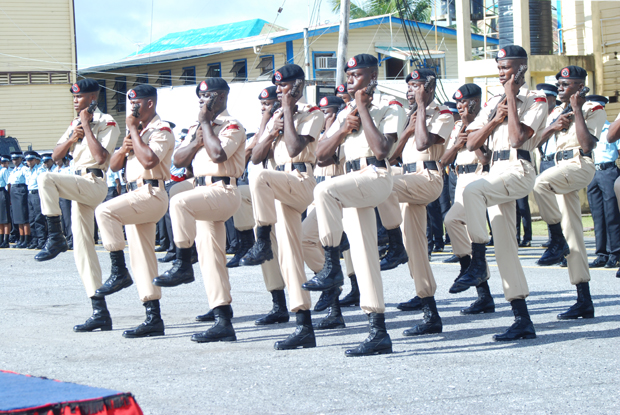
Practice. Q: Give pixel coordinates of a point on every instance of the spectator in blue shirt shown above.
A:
(38, 225)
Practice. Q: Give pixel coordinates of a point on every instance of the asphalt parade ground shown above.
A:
(570, 368)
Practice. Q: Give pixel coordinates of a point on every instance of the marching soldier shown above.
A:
(421, 146)
(216, 152)
(280, 196)
(510, 124)
(576, 129)
(5, 202)
(91, 138)
(37, 220)
(469, 166)
(346, 203)
(146, 154)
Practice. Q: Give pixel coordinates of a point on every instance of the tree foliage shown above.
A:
(420, 9)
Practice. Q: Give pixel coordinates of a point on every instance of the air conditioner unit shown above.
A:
(326, 63)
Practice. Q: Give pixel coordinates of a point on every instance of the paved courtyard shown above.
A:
(572, 367)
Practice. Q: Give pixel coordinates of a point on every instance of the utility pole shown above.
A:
(343, 40)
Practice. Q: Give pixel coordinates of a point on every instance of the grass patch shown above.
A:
(539, 227)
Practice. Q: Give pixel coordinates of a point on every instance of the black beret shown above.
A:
(84, 86)
(212, 84)
(268, 93)
(363, 60)
(420, 75)
(467, 91)
(451, 106)
(289, 72)
(342, 89)
(511, 52)
(548, 89)
(331, 101)
(142, 91)
(572, 72)
(16, 154)
(4, 158)
(46, 156)
(29, 155)
(597, 98)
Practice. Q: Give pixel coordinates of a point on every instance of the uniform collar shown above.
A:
(523, 92)
(221, 118)
(156, 120)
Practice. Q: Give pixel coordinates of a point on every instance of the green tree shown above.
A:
(420, 9)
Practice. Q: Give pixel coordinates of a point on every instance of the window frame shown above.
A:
(186, 79)
(165, 81)
(273, 64)
(119, 95)
(212, 65)
(102, 102)
(245, 61)
(314, 56)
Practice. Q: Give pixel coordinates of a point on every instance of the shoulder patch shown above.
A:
(540, 99)
(395, 103)
(445, 112)
(598, 107)
(112, 123)
(165, 129)
(313, 109)
(232, 127)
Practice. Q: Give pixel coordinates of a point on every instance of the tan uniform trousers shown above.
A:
(506, 182)
(557, 195)
(139, 211)
(199, 215)
(244, 220)
(280, 198)
(86, 192)
(413, 192)
(314, 256)
(183, 186)
(347, 203)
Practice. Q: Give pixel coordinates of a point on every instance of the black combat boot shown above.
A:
(99, 320)
(334, 318)
(465, 262)
(583, 308)
(432, 322)
(5, 241)
(56, 241)
(152, 326)
(558, 248)
(331, 274)
(396, 253)
(476, 273)
(181, 272)
(246, 241)
(344, 243)
(326, 299)
(19, 242)
(222, 330)
(451, 260)
(303, 336)
(377, 342)
(279, 312)
(34, 242)
(210, 316)
(484, 303)
(261, 250)
(522, 328)
(119, 275)
(26, 242)
(415, 304)
(353, 298)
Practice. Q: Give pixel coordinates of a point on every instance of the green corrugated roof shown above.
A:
(205, 36)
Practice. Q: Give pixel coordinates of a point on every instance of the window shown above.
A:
(240, 70)
(25, 78)
(189, 76)
(120, 86)
(102, 102)
(165, 78)
(265, 65)
(214, 70)
(142, 79)
(434, 63)
(325, 66)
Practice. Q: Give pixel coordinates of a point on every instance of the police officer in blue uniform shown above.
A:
(19, 199)
(37, 220)
(5, 202)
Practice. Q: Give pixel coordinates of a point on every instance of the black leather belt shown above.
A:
(470, 168)
(301, 167)
(134, 185)
(202, 180)
(354, 165)
(605, 166)
(568, 154)
(96, 172)
(18, 185)
(505, 155)
(550, 157)
(411, 167)
(33, 192)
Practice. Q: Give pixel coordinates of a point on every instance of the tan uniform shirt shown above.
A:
(308, 120)
(232, 136)
(532, 111)
(389, 117)
(439, 120)
(158, 135)
(464, 156)
(595, 117)
(105, 130)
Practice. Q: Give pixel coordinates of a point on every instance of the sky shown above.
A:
(109, 30)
